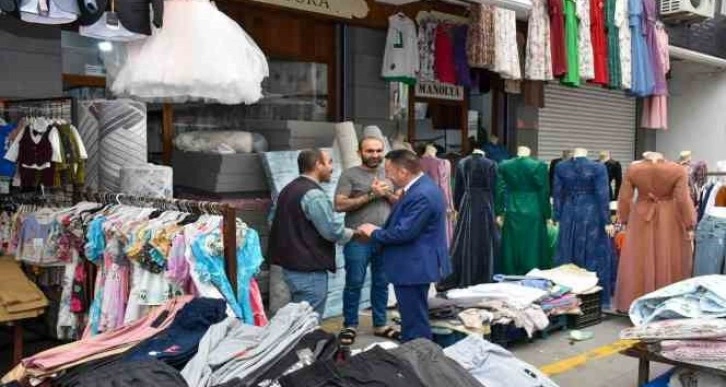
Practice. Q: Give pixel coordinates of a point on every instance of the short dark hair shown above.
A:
(307, 159)
(405, 159)
(366, 138)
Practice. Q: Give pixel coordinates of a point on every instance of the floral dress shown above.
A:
(480, 42)
(426, 48)
(506, 54)
(539, 53)
(587, 61)
(622, 21)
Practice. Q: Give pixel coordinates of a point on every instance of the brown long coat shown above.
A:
(657, 249)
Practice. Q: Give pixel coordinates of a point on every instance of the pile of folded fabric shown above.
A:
(559, 300)
(683, 322)
(506, 303)
(19, 297)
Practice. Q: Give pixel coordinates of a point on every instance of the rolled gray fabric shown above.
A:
(122, 139)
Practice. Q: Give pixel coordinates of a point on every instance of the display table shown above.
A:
(20, 299)
(645, 355)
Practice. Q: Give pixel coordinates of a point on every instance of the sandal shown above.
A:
(347, 336)
(388, 333)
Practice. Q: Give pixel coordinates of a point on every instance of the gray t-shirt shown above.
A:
(356, 182)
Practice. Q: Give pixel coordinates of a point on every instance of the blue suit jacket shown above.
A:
(413, 240)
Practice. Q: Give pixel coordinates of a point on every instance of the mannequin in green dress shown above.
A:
(523, 208)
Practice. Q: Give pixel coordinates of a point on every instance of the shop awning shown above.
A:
(697, 57)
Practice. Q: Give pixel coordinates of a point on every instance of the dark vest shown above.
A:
(295, 243)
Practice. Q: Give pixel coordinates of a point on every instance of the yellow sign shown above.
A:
(347, 9)
(440, 91)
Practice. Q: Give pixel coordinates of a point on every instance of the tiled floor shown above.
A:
(613, 370)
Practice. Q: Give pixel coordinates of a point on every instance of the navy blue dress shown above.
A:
(581, 197)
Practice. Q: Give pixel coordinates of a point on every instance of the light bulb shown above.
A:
(105, 46)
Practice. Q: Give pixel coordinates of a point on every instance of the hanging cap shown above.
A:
(91, 11)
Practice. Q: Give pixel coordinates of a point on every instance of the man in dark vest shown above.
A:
(304, 231)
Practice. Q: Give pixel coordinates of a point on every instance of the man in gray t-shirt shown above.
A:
(365, 196)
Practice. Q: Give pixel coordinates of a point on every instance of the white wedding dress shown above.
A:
(199, 55)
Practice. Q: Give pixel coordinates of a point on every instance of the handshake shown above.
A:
(364, 231)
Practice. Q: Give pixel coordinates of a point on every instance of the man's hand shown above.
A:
(380, 188)
(367, 229)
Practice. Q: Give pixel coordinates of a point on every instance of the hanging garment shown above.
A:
(643, 78)
(134, 16)
(622, 21)
(599, 41)
(572, 31)
(121, 139)
(7, 168)
(463, 77)
(655, 108)
(200, 54)
(514, 86)
(444, 56)
(613, 45)
(401, 57)
(523, 199)
(426, 49)
(585, 52)
(653, 42)
(480, 42)
(657, 251)
(476, 240)
(48, 11)
(506, 54)
(615, 177)
(539, 53)
(88, 129)
(582, 207)
(34, 153)
(557, 33)
(439, 170)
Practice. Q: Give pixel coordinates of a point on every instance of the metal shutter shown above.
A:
(588, 117)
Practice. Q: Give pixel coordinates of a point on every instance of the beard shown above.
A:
(372, 162)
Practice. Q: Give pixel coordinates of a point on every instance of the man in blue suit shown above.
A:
(413, 241)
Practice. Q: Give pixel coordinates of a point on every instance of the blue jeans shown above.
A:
(309, 286)
(710, 246)
(357, 257)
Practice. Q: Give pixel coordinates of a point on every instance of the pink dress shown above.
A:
(655, 108)
(440, 171)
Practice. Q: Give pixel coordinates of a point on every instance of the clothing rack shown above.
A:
(54, 107)
(715, 173)
(228, 213)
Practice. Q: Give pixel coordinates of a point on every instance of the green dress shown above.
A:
(572, 41)
(614, 78)
(523, 199)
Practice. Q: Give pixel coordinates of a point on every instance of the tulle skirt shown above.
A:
(199, 55)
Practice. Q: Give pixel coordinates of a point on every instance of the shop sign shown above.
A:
(347, 9)
(438, 90)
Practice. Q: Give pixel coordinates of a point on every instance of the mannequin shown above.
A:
(615, 173)
(579, 152)
(523, 202)
(430, 150)
(581, 199)
(475, 249)
(653, 156)
(440, 171)
(566, 155)
(658, 249)
(523, 151)
(684, 158)
(495, 150)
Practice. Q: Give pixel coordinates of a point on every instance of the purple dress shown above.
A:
(439, 170)
(650, 15)
(461, 61)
